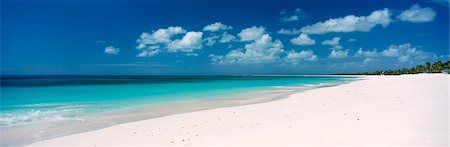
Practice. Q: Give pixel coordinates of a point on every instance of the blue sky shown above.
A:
(220, 37)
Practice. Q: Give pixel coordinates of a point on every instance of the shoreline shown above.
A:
(63, 128)
(407, 110)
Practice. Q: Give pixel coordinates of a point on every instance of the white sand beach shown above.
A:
(406, 110)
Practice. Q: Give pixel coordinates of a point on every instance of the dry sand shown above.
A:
(407, 110)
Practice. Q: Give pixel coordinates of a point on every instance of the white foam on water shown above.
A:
(41, 112)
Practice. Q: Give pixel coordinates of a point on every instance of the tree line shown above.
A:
(436, 67)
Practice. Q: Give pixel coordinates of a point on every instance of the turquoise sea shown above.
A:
(36, 108)
(26, 99)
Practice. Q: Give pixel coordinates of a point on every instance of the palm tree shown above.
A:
(434, 67)
(413, 70)
(437, 66)
(447, 65)
(440, 66)
(420, 69)
(428, 66)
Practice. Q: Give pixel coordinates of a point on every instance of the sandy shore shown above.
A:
(409, 110)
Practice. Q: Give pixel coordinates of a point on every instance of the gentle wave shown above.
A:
(39, 112)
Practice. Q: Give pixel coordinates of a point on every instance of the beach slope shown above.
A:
(409, 110)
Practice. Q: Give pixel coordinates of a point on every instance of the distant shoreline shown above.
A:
(362, 74)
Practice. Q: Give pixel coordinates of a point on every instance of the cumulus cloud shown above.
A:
(149, 44)
(216, 27)
(289, 32)
(190, 41)
(111, 50)
(158, 36)
(263, 50)
(368, 53)
(295, 58)
(416, 14)
(211, 40)
(264, 42)
(296, 15)
(333, 42)
(350, 23)
(252, 33)
(260, 51)
(403, 52)
(227, 38)
(398, 50)
(339, 53)
(303, 39)
(359, 64)
(163, 40)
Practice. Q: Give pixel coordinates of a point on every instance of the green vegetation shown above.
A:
(436, 67)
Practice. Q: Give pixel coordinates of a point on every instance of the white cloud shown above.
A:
(444, 3)
(252, 33)
(266, 50)
(211, 40)
(192, 40)
(192, 54)
(403, 49)
(364, 63)
(350, 23)
(298, 11)
(148, 53)
(338, 53)
(150, 44)
(158, 36)
(260, 51)
(391, 52)
(351, 40)
(264, 42)
(303, 39)
(417, 14)
(289, 32)
(337, 47)
(296, 15)
(369, 61)
(295, 58)
(333, 42)
(216, 27)
(368, 53)
(170, 40)
(403, 58)
(290, 18)
(111, 50)
(403, 52)
(227, 38)
(100, 42)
